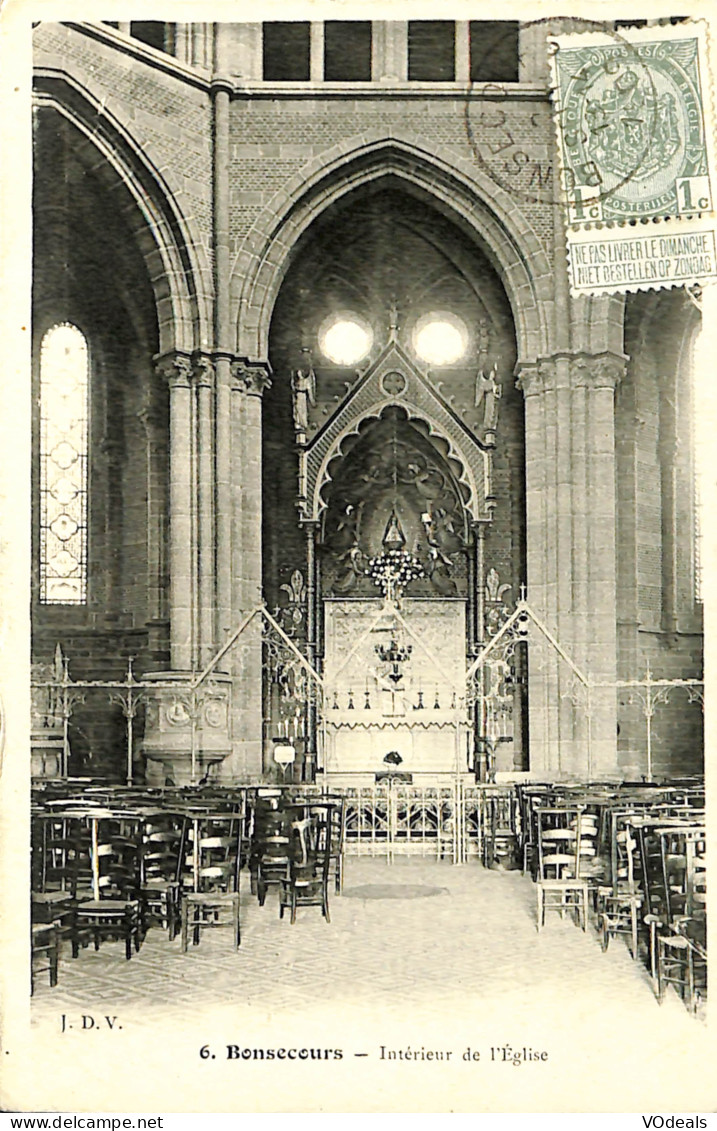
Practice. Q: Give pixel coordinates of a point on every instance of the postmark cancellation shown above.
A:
(635, 138)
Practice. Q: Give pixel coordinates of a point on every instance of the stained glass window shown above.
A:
(64, 372)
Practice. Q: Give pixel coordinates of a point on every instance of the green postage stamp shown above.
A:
(634, 122)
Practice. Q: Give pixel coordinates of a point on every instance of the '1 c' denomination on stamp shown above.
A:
(634, 124)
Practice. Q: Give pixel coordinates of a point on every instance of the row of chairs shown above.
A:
(298, 846)
(640, 866)
(101, 873)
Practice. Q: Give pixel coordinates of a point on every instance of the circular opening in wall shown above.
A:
(440, 338)
(345, 339)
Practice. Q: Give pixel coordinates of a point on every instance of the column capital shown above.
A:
(175, 368)
(601, 371)
(571, 370)
(536, 376)
(250, 377)
(221, 84)
(203, 370)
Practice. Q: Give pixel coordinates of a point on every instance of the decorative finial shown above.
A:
(393, 321)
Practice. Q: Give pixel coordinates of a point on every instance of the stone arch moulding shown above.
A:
(171, 256)
(421, 402)
(455, 185)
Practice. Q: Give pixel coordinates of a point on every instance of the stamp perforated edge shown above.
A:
(654, 256)
(633, 230)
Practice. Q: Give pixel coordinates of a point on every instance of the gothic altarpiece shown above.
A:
(395, 496)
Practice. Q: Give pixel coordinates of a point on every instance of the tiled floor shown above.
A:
(418, 932)
(419, 955)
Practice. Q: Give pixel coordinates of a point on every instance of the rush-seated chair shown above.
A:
(306, 882)
(559, 885)
(160, 887)
(114, 910)
(45, 939)
(211, 860)
(269, 857)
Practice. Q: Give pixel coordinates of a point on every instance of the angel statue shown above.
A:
(488, 392)
(303, 390)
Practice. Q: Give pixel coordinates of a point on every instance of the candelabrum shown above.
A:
(395, 655)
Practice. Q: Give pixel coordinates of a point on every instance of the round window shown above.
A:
(440, 338)
(345, 339)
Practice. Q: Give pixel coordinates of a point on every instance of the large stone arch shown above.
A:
(451, 183)
(176, 264)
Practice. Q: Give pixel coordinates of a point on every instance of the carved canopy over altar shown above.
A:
(394, 686)
(395, 379)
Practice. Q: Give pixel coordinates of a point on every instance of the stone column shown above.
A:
(571, 552)
(112, 447)
(183, 43)
(668, 455)
(534, 52)
(176, 368)
(203, 372)
(316, 68)
(631, 718)
(200, 45)
(245, 664)
(187, 731)
(463, 51)
(224, 331)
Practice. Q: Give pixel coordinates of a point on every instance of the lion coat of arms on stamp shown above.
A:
(633, 124)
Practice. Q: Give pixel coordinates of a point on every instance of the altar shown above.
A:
(394, 680)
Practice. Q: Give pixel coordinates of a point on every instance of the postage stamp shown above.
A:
(635, 139)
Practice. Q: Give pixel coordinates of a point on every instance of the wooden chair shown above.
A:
(559, 886)
(337, 834)
(45, 939)
(499, 821)
(160, 862)
(269, 857)
(306, 882)
(681, 957)
(60, 872)
(619, 904)
(334, 806)
(114, 909)
(211, 860)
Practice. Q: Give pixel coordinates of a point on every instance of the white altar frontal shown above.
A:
(394, 688)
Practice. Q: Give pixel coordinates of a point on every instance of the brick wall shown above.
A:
(271, 139)
(167, 118)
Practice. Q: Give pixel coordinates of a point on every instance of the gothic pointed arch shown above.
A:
(179, 274)
(453, 186)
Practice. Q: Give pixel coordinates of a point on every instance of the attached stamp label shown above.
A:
(664, 256)
(633, 118)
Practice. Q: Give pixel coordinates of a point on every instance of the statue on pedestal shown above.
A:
(488, 392)
(303, 392)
